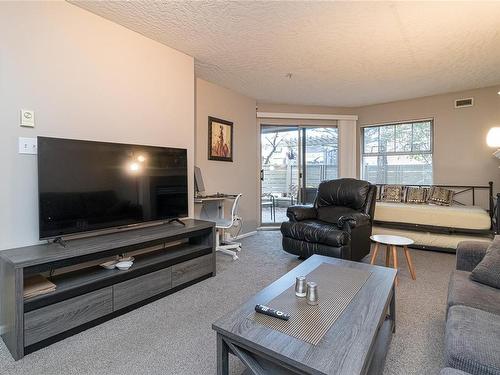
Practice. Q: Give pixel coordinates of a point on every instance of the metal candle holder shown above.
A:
(312, 293)
(300, 286)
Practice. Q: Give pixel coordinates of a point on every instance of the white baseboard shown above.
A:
(246, 235)
(268, 228)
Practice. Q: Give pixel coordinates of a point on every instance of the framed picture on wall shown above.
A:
(220, 139)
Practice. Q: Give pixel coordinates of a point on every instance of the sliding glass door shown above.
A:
(279, 171)
(320, 159)
(294, 160)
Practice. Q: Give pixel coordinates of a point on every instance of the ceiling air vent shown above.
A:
(461, 103)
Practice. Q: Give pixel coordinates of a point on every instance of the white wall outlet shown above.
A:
(28, 146)
(28, 118)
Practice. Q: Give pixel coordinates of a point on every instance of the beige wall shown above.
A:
(240, 176)
(85, 78)
(460, 152)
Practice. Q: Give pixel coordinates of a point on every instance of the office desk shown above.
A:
(212, 208)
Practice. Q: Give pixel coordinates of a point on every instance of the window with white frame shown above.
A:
(399, 153)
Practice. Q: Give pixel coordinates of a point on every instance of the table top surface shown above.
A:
(201, 200)
(345, 347)
(391, 240)
(215, 197)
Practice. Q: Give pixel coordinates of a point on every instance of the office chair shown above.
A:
(221, 225)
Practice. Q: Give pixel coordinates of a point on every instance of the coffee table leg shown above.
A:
(392, 309)
(374, 256)
(222, 356)
(395, 260)
(388, 256)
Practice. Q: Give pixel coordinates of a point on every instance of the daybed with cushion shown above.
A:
(472, 339)
(339, 224)
(466, 213)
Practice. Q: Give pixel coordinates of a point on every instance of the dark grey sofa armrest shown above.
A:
(469, 254)
(299, 213)
(350, 221)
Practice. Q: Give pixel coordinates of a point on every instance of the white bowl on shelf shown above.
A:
(123, 266)
(109, 265)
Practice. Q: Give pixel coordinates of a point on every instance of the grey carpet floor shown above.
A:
(174, 336)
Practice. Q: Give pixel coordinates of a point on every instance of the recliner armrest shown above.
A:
(469, 254)
(353, 220)
(299, 213)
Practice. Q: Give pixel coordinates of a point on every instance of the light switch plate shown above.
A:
(28, 146)
(27, 118)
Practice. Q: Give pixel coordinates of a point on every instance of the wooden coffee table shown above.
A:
(391, 242)
(356, 343)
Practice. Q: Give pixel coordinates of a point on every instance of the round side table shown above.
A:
(391, 242)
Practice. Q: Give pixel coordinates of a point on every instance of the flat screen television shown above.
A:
(87, 186)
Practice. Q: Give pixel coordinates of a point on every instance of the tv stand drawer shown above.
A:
(192, 269)
(140, 288)
(51, 320)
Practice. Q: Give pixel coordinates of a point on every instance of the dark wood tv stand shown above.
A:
(168, 257)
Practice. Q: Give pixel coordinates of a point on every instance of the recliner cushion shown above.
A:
(332, 214)
(347, 192)
(305, 249)
(315, 231)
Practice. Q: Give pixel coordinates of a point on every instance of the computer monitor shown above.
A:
(198, 180)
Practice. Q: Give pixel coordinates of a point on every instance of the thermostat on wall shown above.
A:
(27, 118)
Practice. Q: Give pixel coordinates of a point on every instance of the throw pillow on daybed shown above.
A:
(392, 193)
(416, 194)
(440, 196)
(488, 270)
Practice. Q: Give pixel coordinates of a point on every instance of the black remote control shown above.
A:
(272, 312)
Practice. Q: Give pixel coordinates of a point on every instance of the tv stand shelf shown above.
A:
(91, 278)
(89, 295)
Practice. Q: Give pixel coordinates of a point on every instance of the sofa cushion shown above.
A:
(347, 192)
(464, 291)
(392, 193)
(470, 253)
(488, 270)
(440, 196)
(452, 371)
(471, 341)
(416, 194)
(315, 231)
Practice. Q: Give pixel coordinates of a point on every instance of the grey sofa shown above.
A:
(472, 339)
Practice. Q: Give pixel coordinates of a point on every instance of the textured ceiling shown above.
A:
(339, 53)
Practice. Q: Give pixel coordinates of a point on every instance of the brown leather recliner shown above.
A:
(338, 224)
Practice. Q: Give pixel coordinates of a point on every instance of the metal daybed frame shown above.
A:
(493, 210)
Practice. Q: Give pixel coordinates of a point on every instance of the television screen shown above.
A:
(86, 186)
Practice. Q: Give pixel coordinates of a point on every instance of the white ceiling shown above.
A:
(339, 53)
